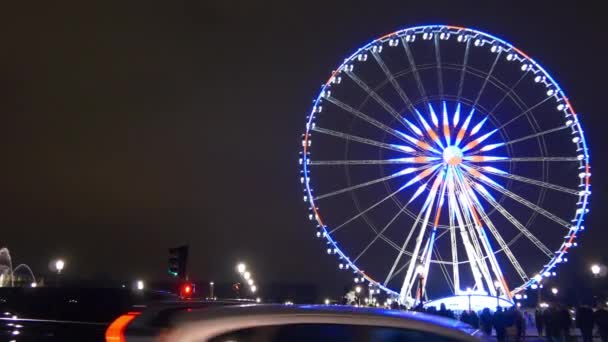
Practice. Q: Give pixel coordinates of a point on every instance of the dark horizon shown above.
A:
(132, 128)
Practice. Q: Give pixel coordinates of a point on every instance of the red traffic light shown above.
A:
(186, 290)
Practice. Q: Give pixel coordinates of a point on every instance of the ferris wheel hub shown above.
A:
(452, 155)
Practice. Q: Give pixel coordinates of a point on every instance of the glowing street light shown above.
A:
(595, 269)
(326, 301)
(358, 289)
(247, 275)
(554, 290)
(33, 284)
(140, 285)
(250, 282)
(59, 265)
(254, 288)
(241, 268)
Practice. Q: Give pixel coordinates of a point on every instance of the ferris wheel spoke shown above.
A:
(410, 58)
(377, 180)
(407, 241)
(431, 240)
(380, 233)
(485, 81)
(485, 159)
(409, 276)
(367, 118)
(556, 129)
(477, 235)
(393, 81)
(521, 200)
(486, 195)
(503, 245)
(463, 71)
(444, 270)
(407, 160)
(350, 137)
(438, 62)
(378, 98)
(508, 92)
(505, 174)
(525, 112)
(363, 212)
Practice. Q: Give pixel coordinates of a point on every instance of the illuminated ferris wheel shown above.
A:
(445, 161)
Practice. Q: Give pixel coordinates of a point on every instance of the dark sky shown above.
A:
(129, 127)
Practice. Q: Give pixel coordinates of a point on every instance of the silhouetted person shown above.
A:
(539, 321)
(474, 319)
(443, 311)
(499, 321)
(600, 317)
(584, 321)
(564, 321)
(551, 319)
(485, 321)
(464, 317)
(520, 324)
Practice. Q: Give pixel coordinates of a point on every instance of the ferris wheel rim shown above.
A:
(518, 54)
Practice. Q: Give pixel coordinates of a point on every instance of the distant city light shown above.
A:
(33, 284)
(326, 301)
(554, 290)
(595, 269)
(358, 289)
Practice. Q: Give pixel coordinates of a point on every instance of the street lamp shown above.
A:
(326, 301)
(247, 275)
(140, 285)
(211, 286)
(357, 292)
(595, 269)
(554, 290)
(497, 286)
(241, 267)
(254, 288)
(59, 265)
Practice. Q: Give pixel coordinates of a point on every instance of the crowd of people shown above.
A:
(553, 322)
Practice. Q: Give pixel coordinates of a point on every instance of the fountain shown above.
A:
(22, 274)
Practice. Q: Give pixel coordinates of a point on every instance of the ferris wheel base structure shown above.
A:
(475, 302)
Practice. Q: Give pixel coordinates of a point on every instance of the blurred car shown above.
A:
(279, 323)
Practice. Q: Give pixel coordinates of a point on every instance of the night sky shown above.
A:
(130, 127)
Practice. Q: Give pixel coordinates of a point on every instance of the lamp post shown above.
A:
(595, 270)
(211, 285)
(497, 286)
(357, 293)
(59, 265)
